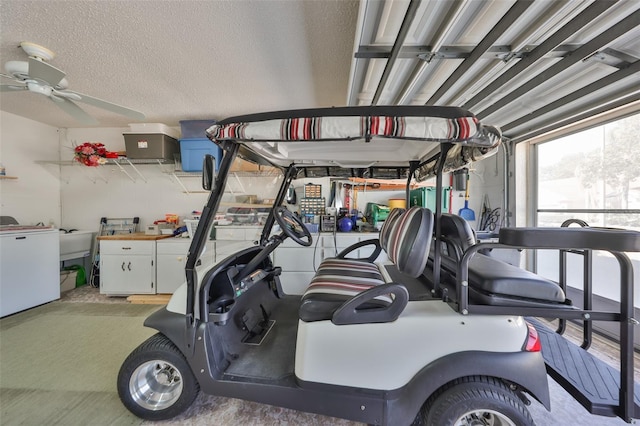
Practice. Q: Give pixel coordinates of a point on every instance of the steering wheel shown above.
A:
(292, 226)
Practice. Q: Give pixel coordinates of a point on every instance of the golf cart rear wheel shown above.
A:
(155, 381)
(476, 401)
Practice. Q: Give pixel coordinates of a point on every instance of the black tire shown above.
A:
(155, 382)
(475, 401)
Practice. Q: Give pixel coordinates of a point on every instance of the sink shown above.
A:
(75, 244)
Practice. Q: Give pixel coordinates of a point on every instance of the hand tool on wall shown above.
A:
(465, 212)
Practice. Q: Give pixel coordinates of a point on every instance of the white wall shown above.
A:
(89, 193)
(35, 196)
(77, 196)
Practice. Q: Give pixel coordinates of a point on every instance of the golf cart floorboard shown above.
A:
(593, 383)
(272, 359)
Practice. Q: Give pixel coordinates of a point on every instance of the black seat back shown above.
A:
(457, 235)
(409, 241)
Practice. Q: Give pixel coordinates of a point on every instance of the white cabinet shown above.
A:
(232, 238)
(171, 256)
(299, 263)
(127, 267)
(29, 269)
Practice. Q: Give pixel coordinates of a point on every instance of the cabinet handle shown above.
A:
(179, 259)
(126, 248)
(123, 266)
(21, 238)
(129, 266)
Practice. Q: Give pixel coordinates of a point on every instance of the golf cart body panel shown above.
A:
(347, 355)
(382, 407)
(366, 347)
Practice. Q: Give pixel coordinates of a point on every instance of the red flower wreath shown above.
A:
(91, 154)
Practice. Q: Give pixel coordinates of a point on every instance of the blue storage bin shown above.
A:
(195, 129)
(192, 152)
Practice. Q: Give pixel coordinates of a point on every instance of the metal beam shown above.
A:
(575, 116)
(397, 45)
(586, 90)
(454, 13)
(463, 52)
(577, 23)
(498, 30)
(627, 24)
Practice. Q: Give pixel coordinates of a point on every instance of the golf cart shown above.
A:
(423, 330)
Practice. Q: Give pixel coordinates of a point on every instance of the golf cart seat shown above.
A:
(361, 267)
(491, 281)
(357, 299)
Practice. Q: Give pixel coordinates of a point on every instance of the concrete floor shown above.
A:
(59, 397)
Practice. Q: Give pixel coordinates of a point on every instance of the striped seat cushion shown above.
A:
(358, 267)
(408, 242)
(334, 263)
(327, 293)
(387, 226)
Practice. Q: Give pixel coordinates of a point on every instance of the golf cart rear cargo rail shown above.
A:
(614, 241)
(590, 238)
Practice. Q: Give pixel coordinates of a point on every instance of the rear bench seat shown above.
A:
(406, 239)
(491, 281)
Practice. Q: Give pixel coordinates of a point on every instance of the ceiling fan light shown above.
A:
(18, 69)
(37, 51)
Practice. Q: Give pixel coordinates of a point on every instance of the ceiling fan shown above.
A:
(38, 76)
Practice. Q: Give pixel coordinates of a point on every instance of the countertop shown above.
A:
(139, 236)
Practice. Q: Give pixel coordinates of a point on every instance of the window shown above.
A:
(594, 176)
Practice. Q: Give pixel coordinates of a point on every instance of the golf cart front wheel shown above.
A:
(155, 381)
(477, 401)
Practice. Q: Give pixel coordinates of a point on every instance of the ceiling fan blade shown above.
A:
(67, 94)
(7, 76)
(42, 71)
(118, 109)
(75, 111)
(12, 87)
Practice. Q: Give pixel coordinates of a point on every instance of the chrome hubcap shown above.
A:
(484, 418)
(155, 385)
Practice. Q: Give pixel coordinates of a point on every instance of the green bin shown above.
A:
(81, 278)
(426, 197)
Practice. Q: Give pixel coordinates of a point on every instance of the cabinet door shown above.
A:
(120, 275)
(170, 272)
(225, 248)
(300, 259)
(295, 282)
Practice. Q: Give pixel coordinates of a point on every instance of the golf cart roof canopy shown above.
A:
(359, 138)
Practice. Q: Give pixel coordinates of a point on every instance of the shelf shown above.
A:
(121, 160)
(120, 163)
(248, 205)
(8, 177)
(178, 173)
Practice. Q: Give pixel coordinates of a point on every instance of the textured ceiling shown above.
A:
(181, 60)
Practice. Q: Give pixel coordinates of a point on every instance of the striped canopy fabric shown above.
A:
(348, 128)
(434, 124)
